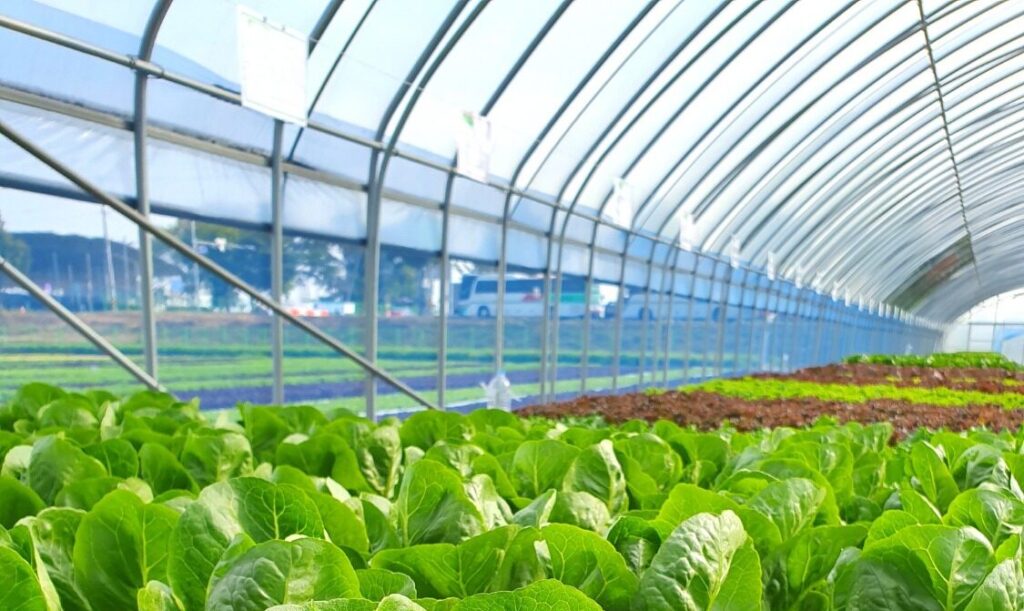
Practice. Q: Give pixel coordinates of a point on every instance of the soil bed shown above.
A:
(709, 410)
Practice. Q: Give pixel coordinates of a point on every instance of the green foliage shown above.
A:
(971, 360)
(753, 389)
(141, 503)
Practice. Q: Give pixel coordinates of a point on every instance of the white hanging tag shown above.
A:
(687, 231)
(474, 141)
(769, 268)
(620, 208)
(734, 252)
(271, 67)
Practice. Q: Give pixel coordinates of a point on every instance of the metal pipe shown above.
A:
(78, 324)
(688, 331)
(620, 305)
(149, 341)
(738, 366)
(222, 273)
(371, 282)
(722, 323)
(277, 261)
(645, 319)
(379, 161)
(443, 294)
(670, 316)
(585, 350)
(659, 316)
(756, 323)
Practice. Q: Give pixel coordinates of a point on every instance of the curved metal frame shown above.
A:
(903, 191)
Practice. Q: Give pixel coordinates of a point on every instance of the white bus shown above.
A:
(477, 296)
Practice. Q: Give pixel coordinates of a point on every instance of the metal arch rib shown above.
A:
(139, 134)
(949, 141)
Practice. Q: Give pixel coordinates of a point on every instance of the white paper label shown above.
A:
(734, 252)
(473, 138)
(620, 208)
(687, 231)
(271, 67)
(769, 268)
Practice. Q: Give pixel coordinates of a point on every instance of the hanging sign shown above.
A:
(473, 139)
(271, 67)
(620, 208)
(687, 231)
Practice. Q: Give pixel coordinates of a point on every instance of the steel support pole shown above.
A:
(443, 297)
(220, 272)
(767, 341)
(660, 320)
(551, 311)
(795, 347)
(705, 325)
(277, 260)
(724, 310)
(657, 314)
(819, 307)
(149, 341)
(620, 305)
(145, 242)
(371, 282)
(757, 324)
(78, 324)
(688, 328)
(670, 316)
(837, 332)
(741, 319)
(145, 254)
(645, 317)
(585, 352)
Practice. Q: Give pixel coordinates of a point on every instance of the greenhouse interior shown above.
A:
(420, 305)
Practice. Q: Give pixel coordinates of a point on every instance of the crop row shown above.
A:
(141, 502)
(760, 389)
(968, 360)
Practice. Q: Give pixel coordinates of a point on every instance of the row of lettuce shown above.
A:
(772, 389)
(962, 360)
(141, 503)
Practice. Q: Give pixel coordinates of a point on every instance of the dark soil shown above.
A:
(707, 411)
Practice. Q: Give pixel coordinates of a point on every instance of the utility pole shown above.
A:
(71, 289)
(56, 273)
(125, 270)
(88, 282)
(195, 269)
(108, 273)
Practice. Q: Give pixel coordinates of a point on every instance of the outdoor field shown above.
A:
(224, 358)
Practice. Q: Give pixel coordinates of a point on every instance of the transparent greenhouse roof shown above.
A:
(872, 145)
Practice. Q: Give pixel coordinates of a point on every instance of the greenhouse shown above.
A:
(511, 304)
